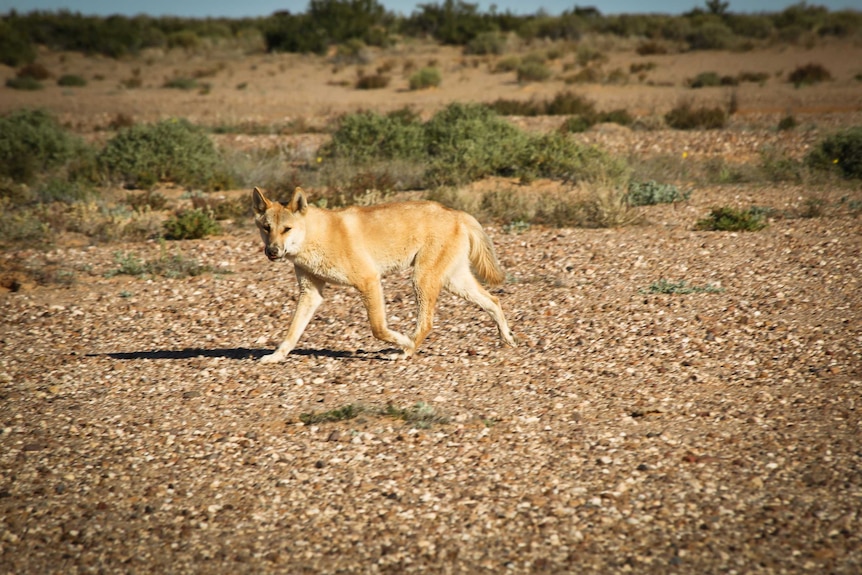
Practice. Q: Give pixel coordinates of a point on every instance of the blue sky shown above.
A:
(239, 8)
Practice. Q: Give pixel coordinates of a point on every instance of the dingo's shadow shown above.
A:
(239, 353)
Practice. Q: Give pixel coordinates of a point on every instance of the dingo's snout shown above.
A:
(272, 252)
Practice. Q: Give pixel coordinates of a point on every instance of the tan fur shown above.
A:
(358, 245)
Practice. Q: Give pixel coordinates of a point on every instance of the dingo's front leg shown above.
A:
(310, 297)
(372, 297)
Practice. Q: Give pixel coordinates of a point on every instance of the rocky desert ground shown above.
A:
(716, 431)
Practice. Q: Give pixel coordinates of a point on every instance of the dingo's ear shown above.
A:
(298, 203)
(261, 204)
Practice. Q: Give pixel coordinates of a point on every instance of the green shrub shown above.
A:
(467, 142)
(506, 107)
(650, 193)
(15, 47)
(705, 80)
(787, 123)
(428, 77)
(651, 48)
(24, 83)
(367, 136)
(529, 71)
(664, 286)
(71, 80)
(726, 219)
(172, 150)
(342, 413)
(808, 75)
(507, 64)
(191, 224)
(32, 143)
(684, 117)
(620, 116)
(372, 82)
(170, 266)
(181, 83)
(558, 156)
(148, 200)
(842, 150)
(33, 70)
(486, 43)
(753, 77)
(576, 124)
(570, 103)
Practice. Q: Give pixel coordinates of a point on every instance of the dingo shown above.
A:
(356, 246)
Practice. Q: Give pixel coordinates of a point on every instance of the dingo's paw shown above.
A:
(272, 358)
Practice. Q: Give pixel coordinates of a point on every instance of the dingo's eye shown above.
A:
(265, 227)
(286, 229)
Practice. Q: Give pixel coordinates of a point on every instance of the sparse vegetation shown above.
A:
(787, 123)
(686, 117)
(420, 416)
(372, 82)
(171, 150)
(191, 224)
(531, 71)
(681, 287)
(727, 219)
(650, 193)
(841, 151)
(71, 80)
(808, 75)
(173, 266)
(24, 83)
(33, 144)
(428, 77)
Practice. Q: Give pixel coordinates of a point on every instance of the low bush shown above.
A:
(461, 143)
(712, 79)
(171, 150)
(650, 193)
(173, 266)
(533, 72)
(71, 80)
(753, 77)
(191, 224)
(652, 48)
(181, 83)
(685, 117)
(367, 136)
(842, 150)
(787, 123)
(467, 142)
(372, 82)
(727, 219)
(506, 107)
(32, 144)
(24, 83)
(33, 70)
(428, 77)
(664, 286)
(808, 75)
(486, 43)
(507, 64)
(15, 47)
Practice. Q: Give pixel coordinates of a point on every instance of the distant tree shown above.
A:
(717, 7)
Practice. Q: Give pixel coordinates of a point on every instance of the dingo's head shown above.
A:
(282, 228)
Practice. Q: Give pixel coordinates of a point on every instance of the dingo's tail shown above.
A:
(483, 258)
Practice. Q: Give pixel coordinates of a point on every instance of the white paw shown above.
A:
(272, 358)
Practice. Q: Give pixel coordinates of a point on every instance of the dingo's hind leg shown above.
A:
(372, 296)
(463, 283)
(426, 289)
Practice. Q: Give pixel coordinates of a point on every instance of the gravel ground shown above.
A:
(714, 432)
